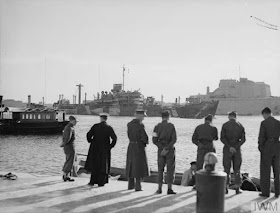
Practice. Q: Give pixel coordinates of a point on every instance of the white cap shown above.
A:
(104, 114)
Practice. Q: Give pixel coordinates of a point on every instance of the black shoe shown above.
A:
(138, 190)
(226, 191)
(90, 184)
(171, 192)
(238, 191)
(263, 195)
(159, 191)
(100, 185)
(68, 179)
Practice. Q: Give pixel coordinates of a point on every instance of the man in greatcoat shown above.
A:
(164, 137)
(69, 148)
(99, 154)
(203, 137)
(269, 147)
(136, 161)
(233, 137)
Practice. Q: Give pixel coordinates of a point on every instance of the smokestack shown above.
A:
(29, 101)
(43, 101)
(1, 97)
(85, 98)
(208, 90)
(161, 100)
(179, 100)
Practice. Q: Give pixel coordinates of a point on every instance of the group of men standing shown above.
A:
(102, 139)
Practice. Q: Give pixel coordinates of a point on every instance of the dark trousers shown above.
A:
(270, 158)
(132, 184)
(236, 160)
(69, 151)
(169, 161)
(201, 152)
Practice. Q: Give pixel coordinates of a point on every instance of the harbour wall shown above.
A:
(245, 106)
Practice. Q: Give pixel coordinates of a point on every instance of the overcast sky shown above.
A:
(175, 47)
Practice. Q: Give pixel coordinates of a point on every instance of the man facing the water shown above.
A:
(269, 147)
(203, 137)
(99, 154)
(69, 148)
(136, 161)
(233, 137)
(164, 137)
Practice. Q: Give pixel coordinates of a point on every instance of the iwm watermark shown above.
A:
(266, 206)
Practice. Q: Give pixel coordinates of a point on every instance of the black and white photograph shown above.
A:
(151, 106)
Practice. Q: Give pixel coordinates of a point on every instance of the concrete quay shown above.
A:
(33, 193)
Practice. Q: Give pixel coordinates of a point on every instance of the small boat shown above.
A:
(248, 183)
(31, 121)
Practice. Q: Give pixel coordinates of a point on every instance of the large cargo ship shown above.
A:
(245, 96)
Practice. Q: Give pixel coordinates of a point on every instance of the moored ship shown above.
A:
(31, 120)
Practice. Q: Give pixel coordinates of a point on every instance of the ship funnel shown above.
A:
(29, 101)
(208, 90)
(1, 97)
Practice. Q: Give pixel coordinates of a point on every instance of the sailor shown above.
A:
(69, 148)
(102, 139)
(233, 137)
(188, 178)
(203, 137)
(269, 147)
(136, 161)
(164, 137)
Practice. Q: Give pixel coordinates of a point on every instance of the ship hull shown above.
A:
(197, 111)
(248, 106)
(11, 127)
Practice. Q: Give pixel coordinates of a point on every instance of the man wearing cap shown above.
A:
(164, 137)
(233, 137)
(69, 148)
(269, 147)
(99, 155)
(188, 178)
(136, 161)
(203, 137)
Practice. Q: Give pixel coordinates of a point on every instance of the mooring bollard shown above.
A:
(210, 187)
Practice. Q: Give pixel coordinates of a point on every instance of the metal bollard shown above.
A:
(210, 187)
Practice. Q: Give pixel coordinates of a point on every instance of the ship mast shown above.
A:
(124, 69)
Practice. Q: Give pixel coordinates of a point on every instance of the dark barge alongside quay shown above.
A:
(31, 120)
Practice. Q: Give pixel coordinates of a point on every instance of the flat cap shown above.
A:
(72, 118)
(209, 117)
(232, 113)
(165, 113)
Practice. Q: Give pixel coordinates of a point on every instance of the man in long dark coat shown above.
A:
(269, 147)
(136, 161)
(99, 154)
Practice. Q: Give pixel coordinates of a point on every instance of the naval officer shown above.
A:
(136, 161)
(164, 137)
(269, 147)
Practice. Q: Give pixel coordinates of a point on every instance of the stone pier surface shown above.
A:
(33, 193)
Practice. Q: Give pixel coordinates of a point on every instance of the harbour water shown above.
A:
(42, 154)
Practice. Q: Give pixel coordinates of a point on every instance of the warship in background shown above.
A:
(118, 102)
(244, 96)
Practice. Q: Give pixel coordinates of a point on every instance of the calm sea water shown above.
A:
(42, 154)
